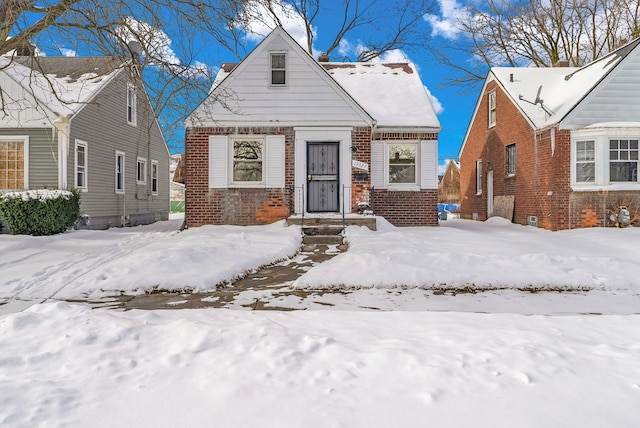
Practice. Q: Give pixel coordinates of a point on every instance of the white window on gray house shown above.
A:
(479, 177)
(81, 165)
(585, 161)
(492, 108)
(278, 68)
(120, 172)
(402, 163)
(247, 165)
(141, 171)
(623, 160)
(154, 177)
(14, 163)
(131, 104)
(511, 159)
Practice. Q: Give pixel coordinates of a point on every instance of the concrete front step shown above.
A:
(368, 221)
(322, 230)
(322, 239)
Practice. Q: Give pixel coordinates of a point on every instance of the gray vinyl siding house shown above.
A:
(81, 141)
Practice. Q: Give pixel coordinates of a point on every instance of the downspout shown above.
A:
(62, 125)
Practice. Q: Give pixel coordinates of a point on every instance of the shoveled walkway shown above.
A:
(256, 291)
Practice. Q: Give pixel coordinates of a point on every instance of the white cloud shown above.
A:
(155, 41)
(259, 28)
(446, 24)
(437, 106)
(68, 52)
(394, 55)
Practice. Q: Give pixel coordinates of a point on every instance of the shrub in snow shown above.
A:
(39, 212)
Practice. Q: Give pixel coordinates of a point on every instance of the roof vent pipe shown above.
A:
(511, 77)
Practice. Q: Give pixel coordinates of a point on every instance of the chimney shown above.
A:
(26, 49)
(561, 63)
(323, 57)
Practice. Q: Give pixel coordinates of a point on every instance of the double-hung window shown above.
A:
(81, 165)
(247, 162)
(605, 157)
(154, 177)
(141, 171)
(623, 160)
(120, 172)
(278, 62)
(402, 169)
(511, 159)
(492, 108)
(131, 104)
(585, 161)
(14, 155)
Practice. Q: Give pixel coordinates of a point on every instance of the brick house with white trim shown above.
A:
(558, 145)
(281, 134)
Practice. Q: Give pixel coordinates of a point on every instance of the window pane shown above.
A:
(613, 144)
(402, 163)
(623, 171)
(633, 144)
(402, 174)
(624, 144)
(585, 172)
(247, 160)
(278, 61)
(278, 77)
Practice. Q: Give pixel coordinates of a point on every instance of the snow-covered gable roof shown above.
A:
(393, 93)
(62, 85)
(558, 90)
(390, 95)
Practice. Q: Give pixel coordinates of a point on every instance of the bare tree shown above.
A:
(537, 33)
(169, 36)
(386, 26)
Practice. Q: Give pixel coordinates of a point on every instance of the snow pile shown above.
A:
(41, 194)
(492, 255)
(93, 264)
(101, 368)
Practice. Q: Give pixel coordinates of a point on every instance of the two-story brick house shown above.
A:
(557, 146)
(283, 134)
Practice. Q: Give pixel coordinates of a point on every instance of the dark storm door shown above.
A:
(323, 192)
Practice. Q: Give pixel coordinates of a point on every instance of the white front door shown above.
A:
(489, 194)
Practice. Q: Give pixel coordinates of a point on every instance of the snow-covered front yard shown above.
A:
(66, 365)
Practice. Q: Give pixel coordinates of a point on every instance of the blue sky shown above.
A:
(454, 109)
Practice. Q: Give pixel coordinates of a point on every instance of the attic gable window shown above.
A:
(278, 62)
(492, 108)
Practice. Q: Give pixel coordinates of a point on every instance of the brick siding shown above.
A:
(244, 206)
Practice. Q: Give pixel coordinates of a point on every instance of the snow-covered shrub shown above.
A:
(39, 212)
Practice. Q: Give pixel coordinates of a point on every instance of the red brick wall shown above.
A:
(233, 206)
(258, 206)
(541, 183)
(400, 208)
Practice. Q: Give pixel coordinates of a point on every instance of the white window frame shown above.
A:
(585, 161)
(284, 70)
(25, 148)
(154, 177)
(77, 171)
(232, 160)
(132, 105)
(141, 175)
(601, 138)
(491, 103)
(121, 172)
(415, 184)
(510, 160)
(479, 177)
